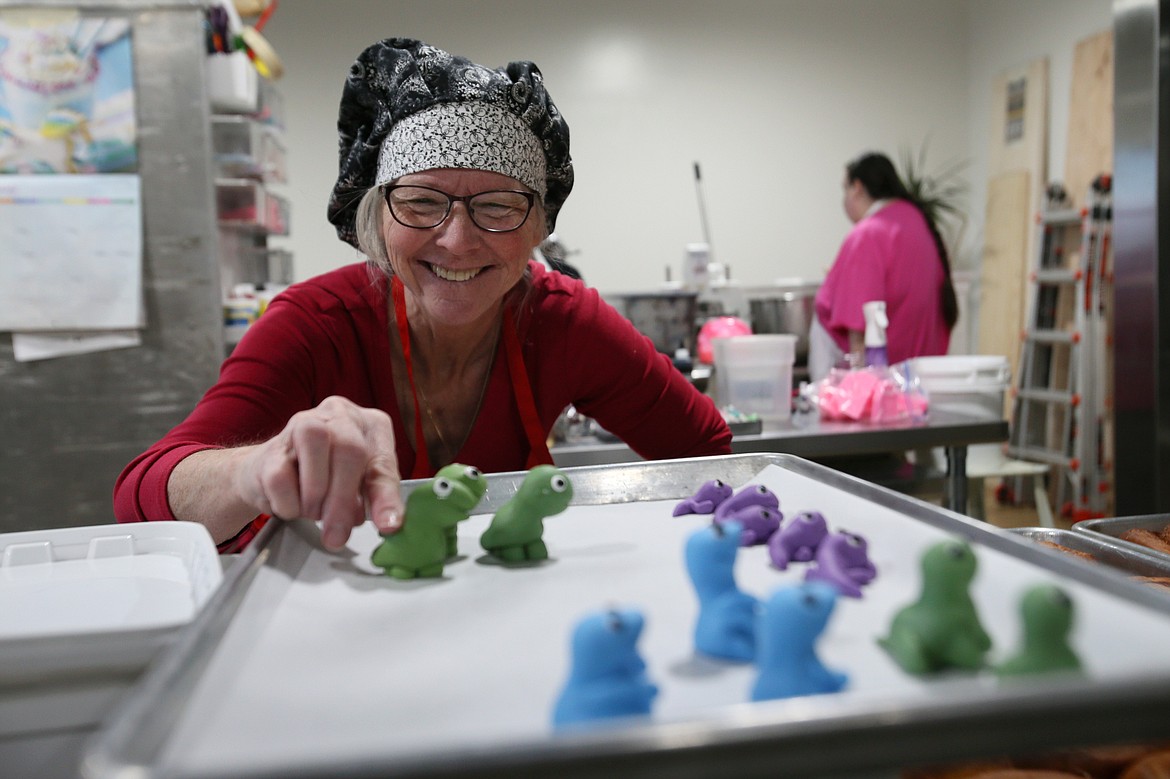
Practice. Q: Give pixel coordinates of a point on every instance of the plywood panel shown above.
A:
(1090, 115)
(1002, 285)
(1018, 144)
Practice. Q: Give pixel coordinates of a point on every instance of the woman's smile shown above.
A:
(449, 274)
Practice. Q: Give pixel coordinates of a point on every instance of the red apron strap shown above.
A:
(538, 453)
(422, 461)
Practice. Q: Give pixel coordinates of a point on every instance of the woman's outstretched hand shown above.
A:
(334, 464)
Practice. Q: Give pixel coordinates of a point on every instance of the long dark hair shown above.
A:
(877, 174)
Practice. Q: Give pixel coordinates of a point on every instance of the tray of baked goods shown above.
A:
(1149, 532)
(746, 615)
(1140, 563)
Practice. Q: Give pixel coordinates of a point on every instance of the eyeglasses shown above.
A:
(497, 211)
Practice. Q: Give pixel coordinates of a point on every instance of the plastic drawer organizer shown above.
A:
(246, 204)
(245, 148)
(315, 664)
(83, 610)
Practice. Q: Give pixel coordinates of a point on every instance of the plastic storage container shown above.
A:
(232, 83)
(245, 148)
(83, 610)
(246, 204)
(753, 374)
(965, 383)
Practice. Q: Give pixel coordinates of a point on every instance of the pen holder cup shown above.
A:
(232, 83)
(753, 375)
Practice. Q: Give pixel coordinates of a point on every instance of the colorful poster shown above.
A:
(66, 95)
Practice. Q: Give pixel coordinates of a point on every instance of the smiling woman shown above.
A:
(448, 345)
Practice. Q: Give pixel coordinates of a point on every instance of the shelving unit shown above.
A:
(249, 158)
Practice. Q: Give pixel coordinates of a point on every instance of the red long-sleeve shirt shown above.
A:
(330, 336)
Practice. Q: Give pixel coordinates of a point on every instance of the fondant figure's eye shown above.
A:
(852, 540)
(443, 488)
(719, 483)
(559, 483)
(472, 473)
(614, 622)
(810, 599)
(762, 489)
(957, 551)
(717, 529)
(1059, 598)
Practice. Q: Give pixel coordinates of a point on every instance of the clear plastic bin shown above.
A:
(245, 148)
(246, 204)
(753, 375)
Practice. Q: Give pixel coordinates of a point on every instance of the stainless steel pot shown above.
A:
(789, 310)
(668, 317)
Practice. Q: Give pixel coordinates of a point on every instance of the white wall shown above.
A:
(1005, 34)
(770, 97)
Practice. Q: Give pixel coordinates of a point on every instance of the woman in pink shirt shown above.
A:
(893, 253)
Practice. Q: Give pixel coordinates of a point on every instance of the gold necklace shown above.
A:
(426, 404)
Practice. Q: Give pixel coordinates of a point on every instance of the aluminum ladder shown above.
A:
(1061, 401)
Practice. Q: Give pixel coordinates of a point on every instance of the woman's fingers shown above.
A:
(383, 493)
(331, 464)
(341, 507)
(311, 443)
(277, 479)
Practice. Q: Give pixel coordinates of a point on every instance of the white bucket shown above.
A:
(965, 383)
(753, 373)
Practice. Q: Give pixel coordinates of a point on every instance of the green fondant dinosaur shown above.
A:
(516, 529)
(471, 478)
(1047, 614)
(419, 548)
(941, 629)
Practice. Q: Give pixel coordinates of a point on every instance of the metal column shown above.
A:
(69, 425)
(1141, 257)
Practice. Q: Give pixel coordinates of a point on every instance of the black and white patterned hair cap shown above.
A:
(399, 78)
(475, 135)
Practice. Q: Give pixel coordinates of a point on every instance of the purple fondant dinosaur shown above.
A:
(843, 561)
(705, 500)
(752, 495)
(759, 523)
(798, 540)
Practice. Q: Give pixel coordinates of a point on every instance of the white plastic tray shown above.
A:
(83, 610)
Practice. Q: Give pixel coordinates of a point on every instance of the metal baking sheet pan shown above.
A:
(310, 664)
(1116, 526)
(1132, 558)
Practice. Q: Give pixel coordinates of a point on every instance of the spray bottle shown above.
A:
(875, 333)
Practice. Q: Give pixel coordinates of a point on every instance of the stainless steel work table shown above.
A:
(807, 436)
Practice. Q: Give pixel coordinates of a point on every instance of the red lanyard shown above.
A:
(538, 453)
